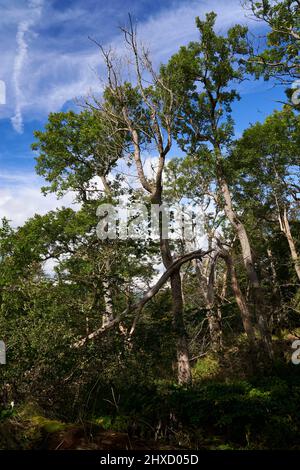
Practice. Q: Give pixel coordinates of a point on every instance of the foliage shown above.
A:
(80, 347)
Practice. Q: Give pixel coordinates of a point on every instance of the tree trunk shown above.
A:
(183, 357)
(183, 360)
(212, 316)
(285, 227)
(215, 331)
(249, 266)
(240, 300)
(108, 315)
(206, 286)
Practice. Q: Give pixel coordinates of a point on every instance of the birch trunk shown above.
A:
(108, 315)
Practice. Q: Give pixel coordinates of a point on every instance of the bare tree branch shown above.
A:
(138, 306)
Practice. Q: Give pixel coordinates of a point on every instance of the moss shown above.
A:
(28, 428)
(206, 368)
(104, 421)
(48, 425)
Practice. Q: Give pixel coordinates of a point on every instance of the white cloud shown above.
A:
(34, 12)
(166, 32)
(17, 120)
(21, 198)
(2, 92)
(55, 70)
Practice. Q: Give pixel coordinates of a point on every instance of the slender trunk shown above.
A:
(240, 300)
(222, 298)
(276, 300)
(183, 357)
(215, 331)
(207, 291)
(212, 316)
(108, 315)
(183, 360)
(249, 266)
(286, 229)
(200, 277)
(242, 235)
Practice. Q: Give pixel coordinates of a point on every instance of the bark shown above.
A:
(108, 315)
(106, 186)
(249, 266)
(138, 306)
(182, 349)
(212, 316)
(215, 330)
(202, 284)
(222, 298)
(275, 320)
(240, 300)
(286, 229)
(159, 130)
(184, 370)
(207, 290)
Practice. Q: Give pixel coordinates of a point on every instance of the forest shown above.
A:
(189, 339)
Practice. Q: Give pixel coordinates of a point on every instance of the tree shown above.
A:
(146, 113)
(74, 149)
(268, 170)
(202, 74)
(187, 176)
(73, 152)
(280, 57)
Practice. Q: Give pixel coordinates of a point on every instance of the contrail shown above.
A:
(34, 12)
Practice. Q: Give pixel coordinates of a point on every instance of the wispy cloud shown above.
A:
(64, 65)
(47, 60)
(167, 31)
(34, 12)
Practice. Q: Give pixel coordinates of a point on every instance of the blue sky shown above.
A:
(47, 60)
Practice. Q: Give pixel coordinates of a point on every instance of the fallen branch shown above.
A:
(138, 306)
